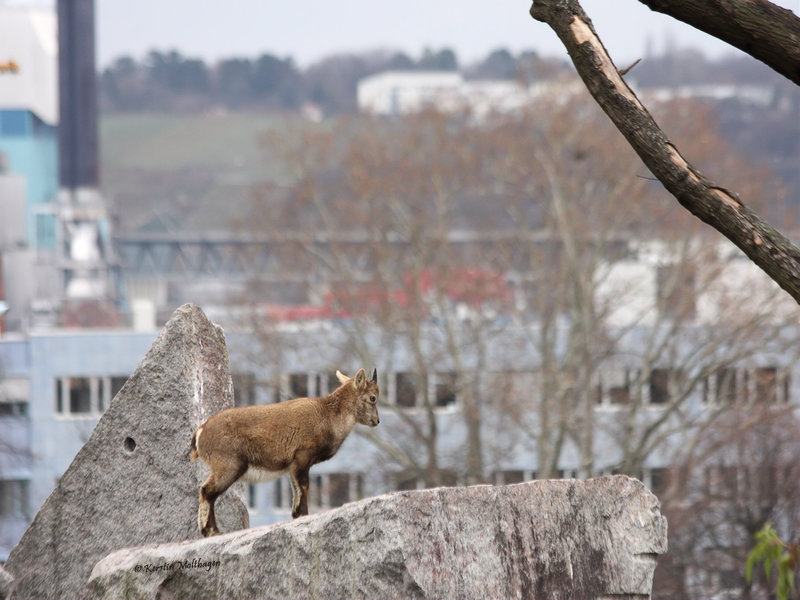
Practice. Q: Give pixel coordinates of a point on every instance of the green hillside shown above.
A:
(165, 172)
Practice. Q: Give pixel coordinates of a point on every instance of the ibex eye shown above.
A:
(373, 399)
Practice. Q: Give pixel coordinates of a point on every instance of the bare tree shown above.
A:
(376, 208)
(741, 474)
(439, 239)
(766, 31)
(622, 346)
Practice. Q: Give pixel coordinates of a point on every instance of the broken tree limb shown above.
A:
(711, 203)
(763, 30)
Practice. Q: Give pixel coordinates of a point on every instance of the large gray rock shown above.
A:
(132, 482)
(544, 539)
(5, 583)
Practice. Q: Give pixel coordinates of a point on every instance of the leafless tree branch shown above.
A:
(713, 204)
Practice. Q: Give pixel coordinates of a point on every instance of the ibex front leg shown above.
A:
(299, 479)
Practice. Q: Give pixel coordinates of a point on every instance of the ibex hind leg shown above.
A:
(205, 517)
(212, 489)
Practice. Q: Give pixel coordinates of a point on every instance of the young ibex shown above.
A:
(261, 443)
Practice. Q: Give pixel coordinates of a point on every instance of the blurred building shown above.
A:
(29, 116)
(57, 272)
(395, 93)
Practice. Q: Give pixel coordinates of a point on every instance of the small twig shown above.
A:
(629, 67)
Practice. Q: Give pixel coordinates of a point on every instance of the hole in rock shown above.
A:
(129, 444)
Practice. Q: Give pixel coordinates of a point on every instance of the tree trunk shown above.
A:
(711, 203)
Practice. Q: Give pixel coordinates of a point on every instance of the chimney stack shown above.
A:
(78, 160)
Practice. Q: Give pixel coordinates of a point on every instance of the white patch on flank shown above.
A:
(256, 475)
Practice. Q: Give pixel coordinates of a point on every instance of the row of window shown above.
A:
(331, 490)
(324, 491)
(86, 396)
(725, 386)
(14, 409)
(613, 387)
(401, 389)
(90, 396)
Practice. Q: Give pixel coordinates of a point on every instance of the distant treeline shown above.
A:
(165, 82)
(171, 81)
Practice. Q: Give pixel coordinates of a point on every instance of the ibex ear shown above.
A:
(341, 377)
(360, 380)
(374, 375)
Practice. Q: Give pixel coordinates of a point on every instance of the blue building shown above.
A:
(54, 386)
(29, 114)
(30, 146)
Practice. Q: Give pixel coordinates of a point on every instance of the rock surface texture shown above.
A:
(132, 482)
(5, 583)
(567, 539)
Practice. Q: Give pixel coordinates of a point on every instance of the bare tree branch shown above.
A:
(763, 30)
(711, 203)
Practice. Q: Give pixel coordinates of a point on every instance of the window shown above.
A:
(14, 498)
(664, 384)
(282, 498)
(406, 481)
(730, 385)
(79, 392)
(14, 409)
(657, 479)
(14, 393)
(726, 385)
(244, 385)
(328, 490)
(116, 385)
(659, 386)
(446, 388)
(333, 382)
(405, 390)
(298, 385)
(766, 385)
(315, 491)
(615, 387)
(86, 396)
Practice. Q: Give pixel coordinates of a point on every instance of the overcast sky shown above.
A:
(311, 29)
(308, 30)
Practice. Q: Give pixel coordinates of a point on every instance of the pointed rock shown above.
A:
(132, 482)
(563, 539)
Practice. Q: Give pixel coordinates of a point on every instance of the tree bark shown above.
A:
(763, 30)
(711, 203)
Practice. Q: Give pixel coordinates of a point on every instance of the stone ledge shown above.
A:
(572, 539)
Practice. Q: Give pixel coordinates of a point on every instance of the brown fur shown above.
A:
(263, 442)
